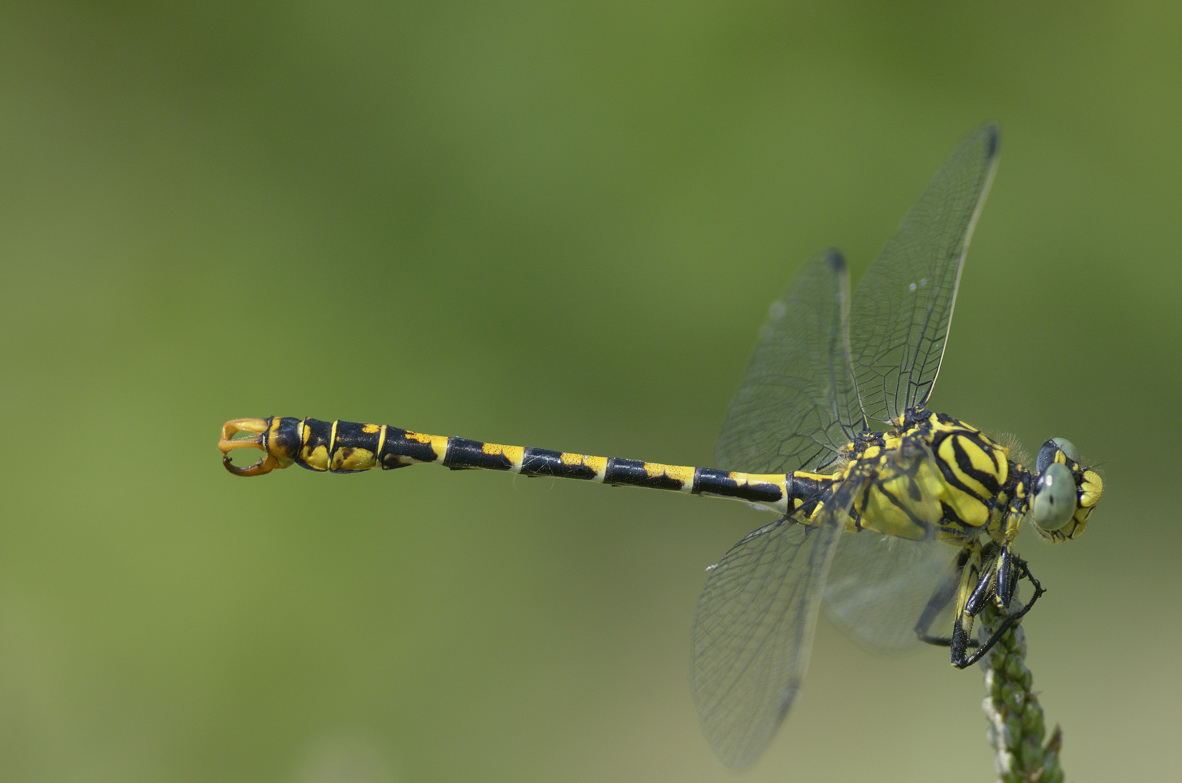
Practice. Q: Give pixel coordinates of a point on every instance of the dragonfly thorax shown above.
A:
(934, 476)
(930, 476)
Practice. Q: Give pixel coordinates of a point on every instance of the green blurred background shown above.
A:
(558, 225)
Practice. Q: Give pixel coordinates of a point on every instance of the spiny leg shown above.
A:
(976, 586)
(940, 599)
(1011, 618)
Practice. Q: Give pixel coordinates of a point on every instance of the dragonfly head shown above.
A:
(1065, 492)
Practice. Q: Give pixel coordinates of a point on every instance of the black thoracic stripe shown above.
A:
(987, 480)
(544, 462)
(631, 473)
(398, 451)
(895, 502)
(947, 471)
(463, 453)
(712, 481)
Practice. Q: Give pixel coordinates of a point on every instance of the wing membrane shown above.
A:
(879, 586)
(903, 307)
(822, 370)
(787, 413)
(754, 629)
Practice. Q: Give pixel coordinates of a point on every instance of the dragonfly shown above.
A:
(895, 519)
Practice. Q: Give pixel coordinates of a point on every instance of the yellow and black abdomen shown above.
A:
(351, 447)
(346, 446)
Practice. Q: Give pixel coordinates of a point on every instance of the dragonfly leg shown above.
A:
(940, 599)
(1011, 617)
(977, 587)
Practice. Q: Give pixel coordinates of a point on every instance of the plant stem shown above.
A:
(1016, 724)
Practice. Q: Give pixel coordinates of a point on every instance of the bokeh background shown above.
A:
(556, 224)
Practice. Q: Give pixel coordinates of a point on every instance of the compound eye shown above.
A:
(1054, 497)
(1067, 447)
(1046, 455)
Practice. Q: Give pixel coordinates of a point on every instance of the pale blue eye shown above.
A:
(1054, 497)
(1067, 447)
(1046, 455)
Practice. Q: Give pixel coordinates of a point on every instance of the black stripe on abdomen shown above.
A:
(635, 473)
(544, 462)
(465, 454)
(398, 451)
(721, 483)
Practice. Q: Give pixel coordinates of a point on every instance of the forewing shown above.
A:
(754, 630)
(786, 414)
(902, 310)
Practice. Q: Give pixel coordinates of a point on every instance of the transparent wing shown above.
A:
(787, 413)
(879, 586)
(903, 307)
(754, 629)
